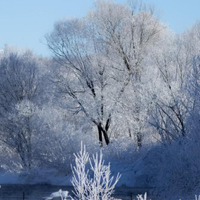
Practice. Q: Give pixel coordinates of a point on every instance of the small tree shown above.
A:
(100, 186)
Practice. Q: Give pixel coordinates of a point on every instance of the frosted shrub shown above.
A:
(140, 197)
(95, 181)
(173, 170)
(197, 197)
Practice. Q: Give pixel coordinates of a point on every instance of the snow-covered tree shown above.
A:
(18, 97)
(100, 56)
(174, 90)
(92, 177)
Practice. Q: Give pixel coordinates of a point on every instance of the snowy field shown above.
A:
(38, 192)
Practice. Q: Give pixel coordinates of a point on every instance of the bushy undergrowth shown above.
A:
(92, 179)
(173, 170)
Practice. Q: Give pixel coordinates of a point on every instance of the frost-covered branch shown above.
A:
(92, 179)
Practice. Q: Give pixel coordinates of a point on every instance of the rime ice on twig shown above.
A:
(100, 186)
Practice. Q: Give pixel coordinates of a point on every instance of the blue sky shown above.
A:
(23, 23)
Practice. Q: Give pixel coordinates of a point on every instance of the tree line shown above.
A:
(116, 73)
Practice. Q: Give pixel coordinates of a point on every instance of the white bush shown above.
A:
(92, 179)
(140, 197)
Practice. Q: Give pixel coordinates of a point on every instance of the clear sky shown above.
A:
(23, 23)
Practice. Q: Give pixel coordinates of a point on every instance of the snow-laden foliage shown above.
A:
(173, 170)
(141, 197)
(119, 81)
(101, 66)
(19, 86)
(92, 177)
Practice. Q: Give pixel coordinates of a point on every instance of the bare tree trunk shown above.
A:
(102, 132)
(106, 138)
(139, 139)
(100, 135)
